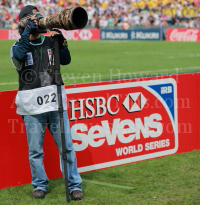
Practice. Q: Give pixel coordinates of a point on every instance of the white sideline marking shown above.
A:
(108, 184)
(119, 74)
(178, 55)
(8, 83)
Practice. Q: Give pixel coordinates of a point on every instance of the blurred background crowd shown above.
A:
(113, 13)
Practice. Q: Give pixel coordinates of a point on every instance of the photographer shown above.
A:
(37, 100)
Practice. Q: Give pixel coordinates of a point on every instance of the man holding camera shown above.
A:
(37, 100)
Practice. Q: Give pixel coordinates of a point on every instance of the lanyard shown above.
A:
(40, 55)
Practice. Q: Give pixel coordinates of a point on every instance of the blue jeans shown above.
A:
(35, 128)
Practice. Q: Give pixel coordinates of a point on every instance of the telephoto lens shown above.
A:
(68, 19)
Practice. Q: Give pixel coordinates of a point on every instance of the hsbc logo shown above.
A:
(13, 35)
(85, 34)
(134, 102)
(99, 106)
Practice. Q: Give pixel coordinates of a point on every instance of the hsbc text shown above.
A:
(101, 107)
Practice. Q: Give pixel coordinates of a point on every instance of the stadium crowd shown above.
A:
(113, 13)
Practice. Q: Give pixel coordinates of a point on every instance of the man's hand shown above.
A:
(32, 23)
(33, 18)
(62, 41)
(53, 33)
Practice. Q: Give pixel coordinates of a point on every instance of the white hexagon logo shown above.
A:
(134, 102)
(85, 34)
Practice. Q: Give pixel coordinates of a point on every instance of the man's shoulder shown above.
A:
(11, 49)
(16, 43)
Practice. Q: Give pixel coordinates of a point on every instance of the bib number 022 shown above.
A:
(46, 99)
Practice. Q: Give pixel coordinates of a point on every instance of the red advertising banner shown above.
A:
(122, 123)
(183, 34)
(3, 34)
(84, 34)
(112, 123)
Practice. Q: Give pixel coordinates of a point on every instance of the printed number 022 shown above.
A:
(45, 100)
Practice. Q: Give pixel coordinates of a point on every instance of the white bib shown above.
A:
(39, 100)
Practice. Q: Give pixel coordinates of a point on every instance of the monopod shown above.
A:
(58, 80)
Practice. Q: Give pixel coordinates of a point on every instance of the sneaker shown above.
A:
(77, 195)
(38, 194)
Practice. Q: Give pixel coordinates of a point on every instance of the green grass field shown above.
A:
(106, 60)
(169, 180)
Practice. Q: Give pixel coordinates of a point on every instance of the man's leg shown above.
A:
(35, 128)
(74, 178)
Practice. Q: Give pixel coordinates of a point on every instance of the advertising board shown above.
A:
(112, 123)
(123, 123)
(183, 34)
(3, 34)
(94, 34)
(136, 34)
(85, 34)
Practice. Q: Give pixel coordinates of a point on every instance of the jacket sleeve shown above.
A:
(17, 64)
(20, 49)
(65, 57)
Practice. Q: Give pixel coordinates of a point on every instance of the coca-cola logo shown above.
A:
(184, 35)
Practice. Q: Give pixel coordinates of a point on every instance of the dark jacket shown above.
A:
(34, 61)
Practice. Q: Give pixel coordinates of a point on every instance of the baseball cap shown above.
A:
(27, 10)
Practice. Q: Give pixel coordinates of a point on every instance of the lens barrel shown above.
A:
(68, 19)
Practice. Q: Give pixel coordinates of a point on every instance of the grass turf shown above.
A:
(94, 61)
(168, 181)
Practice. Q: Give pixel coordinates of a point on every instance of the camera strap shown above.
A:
(40, 55)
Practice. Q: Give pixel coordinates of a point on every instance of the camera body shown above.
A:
(38, 15)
